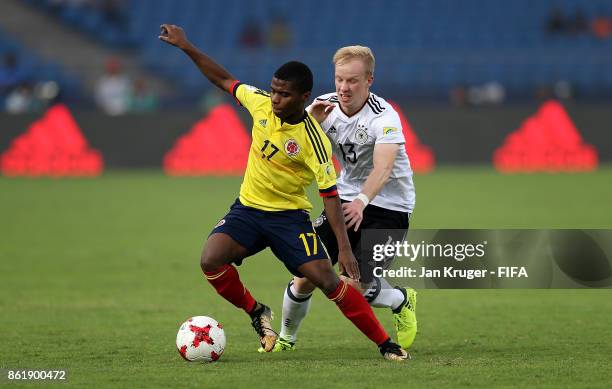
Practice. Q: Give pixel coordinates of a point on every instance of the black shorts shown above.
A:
(395, 223)
(289, 234)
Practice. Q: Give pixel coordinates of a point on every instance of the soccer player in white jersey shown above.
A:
(375, 186)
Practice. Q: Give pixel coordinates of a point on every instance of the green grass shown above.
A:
(96, 276)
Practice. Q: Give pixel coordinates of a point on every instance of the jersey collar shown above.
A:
(289, 125)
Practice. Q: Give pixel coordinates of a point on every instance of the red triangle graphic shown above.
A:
(547, 141)
(422, 159)
(52, 146)
(217, 145)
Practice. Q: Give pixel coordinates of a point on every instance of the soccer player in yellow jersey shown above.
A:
(287, 152)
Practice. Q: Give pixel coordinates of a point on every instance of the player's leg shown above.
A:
(221, 249)
(377, 292)
(296, 304)
(350, 302)
(352, 305)
(293, 241)
(218, 254)
(401, 301)
(296, 297)
(379, 227)
(297, 300)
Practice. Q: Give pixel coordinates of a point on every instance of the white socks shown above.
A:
(388, 297)
(295, 308)
(296, 305)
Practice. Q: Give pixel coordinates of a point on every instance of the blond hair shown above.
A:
(347, 53)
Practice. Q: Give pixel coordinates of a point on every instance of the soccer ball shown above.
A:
(200, 339)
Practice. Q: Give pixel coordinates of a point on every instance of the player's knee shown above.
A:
(328, 285)
(302, 285)
(326, 282)
(322, 275)
(208, 262)
(204, 264)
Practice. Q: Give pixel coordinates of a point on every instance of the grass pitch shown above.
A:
(96, 276)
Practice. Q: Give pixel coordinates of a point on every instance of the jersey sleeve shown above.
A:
(318, 159)
(249, 96)
(388, 129)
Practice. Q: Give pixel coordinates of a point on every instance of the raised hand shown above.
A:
(173, 35)
(320, 110)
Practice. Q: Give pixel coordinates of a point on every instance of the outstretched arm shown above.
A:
(174, 35)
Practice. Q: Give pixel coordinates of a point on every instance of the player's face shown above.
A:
(352, 84)
(287, 101)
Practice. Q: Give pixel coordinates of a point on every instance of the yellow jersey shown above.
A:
(284, 158)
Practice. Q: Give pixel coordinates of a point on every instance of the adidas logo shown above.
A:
(263, 122)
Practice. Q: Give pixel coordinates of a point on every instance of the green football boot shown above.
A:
(404, 318)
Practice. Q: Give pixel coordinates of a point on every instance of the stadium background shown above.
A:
(98, 272)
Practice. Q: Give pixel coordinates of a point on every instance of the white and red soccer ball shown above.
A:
(200, 339)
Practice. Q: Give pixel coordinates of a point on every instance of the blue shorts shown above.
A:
(289, 234)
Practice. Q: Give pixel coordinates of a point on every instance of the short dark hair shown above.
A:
(298, 73)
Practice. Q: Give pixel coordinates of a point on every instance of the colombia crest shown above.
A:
(292, 148)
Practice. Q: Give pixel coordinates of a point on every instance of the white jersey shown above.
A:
(353, 140)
